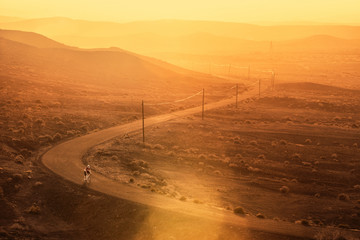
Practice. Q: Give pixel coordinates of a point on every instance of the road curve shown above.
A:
(65, 160)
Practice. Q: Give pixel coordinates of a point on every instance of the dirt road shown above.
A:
(65, 160)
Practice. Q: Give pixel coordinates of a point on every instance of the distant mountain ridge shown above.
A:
(59, 26)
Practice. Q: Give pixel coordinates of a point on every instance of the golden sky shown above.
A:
(329, 11)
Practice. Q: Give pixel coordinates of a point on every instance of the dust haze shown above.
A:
(192, 129)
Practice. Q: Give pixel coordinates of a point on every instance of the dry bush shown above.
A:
(34, 209)
(274, 143)
(296, 157)
(343, 197)
(19, 159)
(239, 211)
(202, 156)
(308, 141)
(233, 165)
(260, 215)
(253, 142)
(317, 195)
(182, 199)
(284, 189)
(217, 172)
(306, 164)
(238, 155)
(334, 156)
(283, 142)
(303, 222)
(261, 156)
(357, 187)
(114, 158)
(158, 147)
(57, 137)
(39, 122)
(355, 145)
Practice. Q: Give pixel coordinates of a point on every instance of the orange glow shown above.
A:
(335, 11)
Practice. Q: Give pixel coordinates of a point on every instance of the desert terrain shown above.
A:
(285, 160)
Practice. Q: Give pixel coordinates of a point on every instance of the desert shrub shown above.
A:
(202, 156)
(84, 128)
(34, 209)
(217, 172)
(71, 133)
(247, 122)
(171, 153)
(45, 139)
(344, 226)
(294, 180)
(273, 143)
(308, 141)
(19, 159)
(38, 184)
(197, 201)
(158, 147)
(304, 222)
(284, 189)
(355, 145)
(138, 165)
(296, 156)
(238, 155)
(182, 199)
(239, 211)
(286, 162)
(21, 123)
(317, 195)
(253, 142)
(60, 124)
(114, 158)
(233, 165)
(334, 156)
(57, 137)
(283, 142)
(343, 197)
(131, 180)
(306, 164)
(261, 156)
(39, 122)
(260, 215)
(357, 187)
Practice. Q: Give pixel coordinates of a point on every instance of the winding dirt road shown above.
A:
(65, 160)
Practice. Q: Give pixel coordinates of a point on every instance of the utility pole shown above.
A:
(237, 93)
(143, 121)
(203, 103)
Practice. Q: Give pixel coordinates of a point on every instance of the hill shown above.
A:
(110, 67)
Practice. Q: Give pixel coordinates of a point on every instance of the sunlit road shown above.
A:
(65, 160)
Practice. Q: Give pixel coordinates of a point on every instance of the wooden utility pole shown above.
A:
(203, 103)
(237, 93)
(143, 121)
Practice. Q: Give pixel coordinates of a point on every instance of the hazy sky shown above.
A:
(332, 11)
